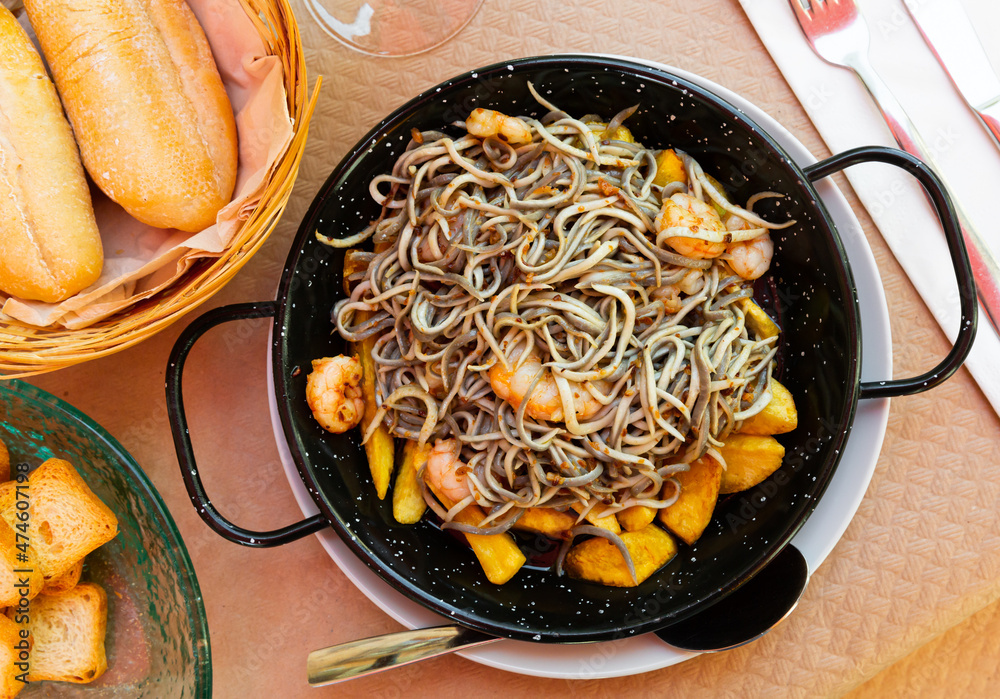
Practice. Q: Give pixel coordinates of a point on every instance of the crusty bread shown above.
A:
(68, 632)
(65, 582)
(10, 638)
(50, 247)
(14, 559)
(67, 520)
(150, 112)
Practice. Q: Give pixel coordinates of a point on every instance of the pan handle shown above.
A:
(182, 439)
(939, 198)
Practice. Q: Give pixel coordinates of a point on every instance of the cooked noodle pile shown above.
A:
(542, 263)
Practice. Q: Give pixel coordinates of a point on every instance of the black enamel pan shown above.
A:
(813, 298)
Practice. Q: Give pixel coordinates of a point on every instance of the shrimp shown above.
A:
(446, 472)
(333, 392)
(484, 123)
(545, 402)
(751, 258)
(748, 258)
(670, 294)
(684, 211)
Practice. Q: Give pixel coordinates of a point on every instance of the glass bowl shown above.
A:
(157, 642)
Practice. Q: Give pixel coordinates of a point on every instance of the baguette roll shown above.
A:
(50, 247)
(147, 104)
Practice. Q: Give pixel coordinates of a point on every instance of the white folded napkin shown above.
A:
(845, 117)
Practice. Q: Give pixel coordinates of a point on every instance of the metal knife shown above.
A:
(950, 34)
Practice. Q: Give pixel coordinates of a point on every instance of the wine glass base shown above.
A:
(392, 27)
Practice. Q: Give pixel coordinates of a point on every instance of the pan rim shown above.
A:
(422, 596)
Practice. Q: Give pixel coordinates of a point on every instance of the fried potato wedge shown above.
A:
(4, 463)
(497, 553)
(355, 261)
(749, 460)
(669, 168)
(545, 521)
(408, 504)
(609, 522)
(758, 320)
(635, 518)
(620, 134)
(380, 448)
(692, 511)
(778, 416)
(600, 561)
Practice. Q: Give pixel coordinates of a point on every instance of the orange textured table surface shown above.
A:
(921, 555)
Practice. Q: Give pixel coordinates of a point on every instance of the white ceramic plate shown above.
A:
(815, 539)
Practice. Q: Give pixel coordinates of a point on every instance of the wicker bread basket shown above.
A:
(27, 350)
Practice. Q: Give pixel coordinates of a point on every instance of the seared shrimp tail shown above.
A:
(333, 392)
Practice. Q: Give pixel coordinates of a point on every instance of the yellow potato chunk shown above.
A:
(545, 521)
(778, 416)
(609, 522)
(692, 511)
(669, 168)
(380, 447)
(635, 518)
(620, 134)
(353, 263)
(749, 460)
(4, 462)
(600, 129)
(497, 553)
(408, 504)
(757, 320)
(600, 561)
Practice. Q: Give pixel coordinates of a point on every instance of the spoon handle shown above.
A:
(369, 655)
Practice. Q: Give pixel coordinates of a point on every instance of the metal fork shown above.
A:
(838, 33)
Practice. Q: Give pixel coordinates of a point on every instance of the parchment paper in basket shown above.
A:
(141, 260)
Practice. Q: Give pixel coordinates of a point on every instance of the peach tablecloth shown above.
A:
(920, 557)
